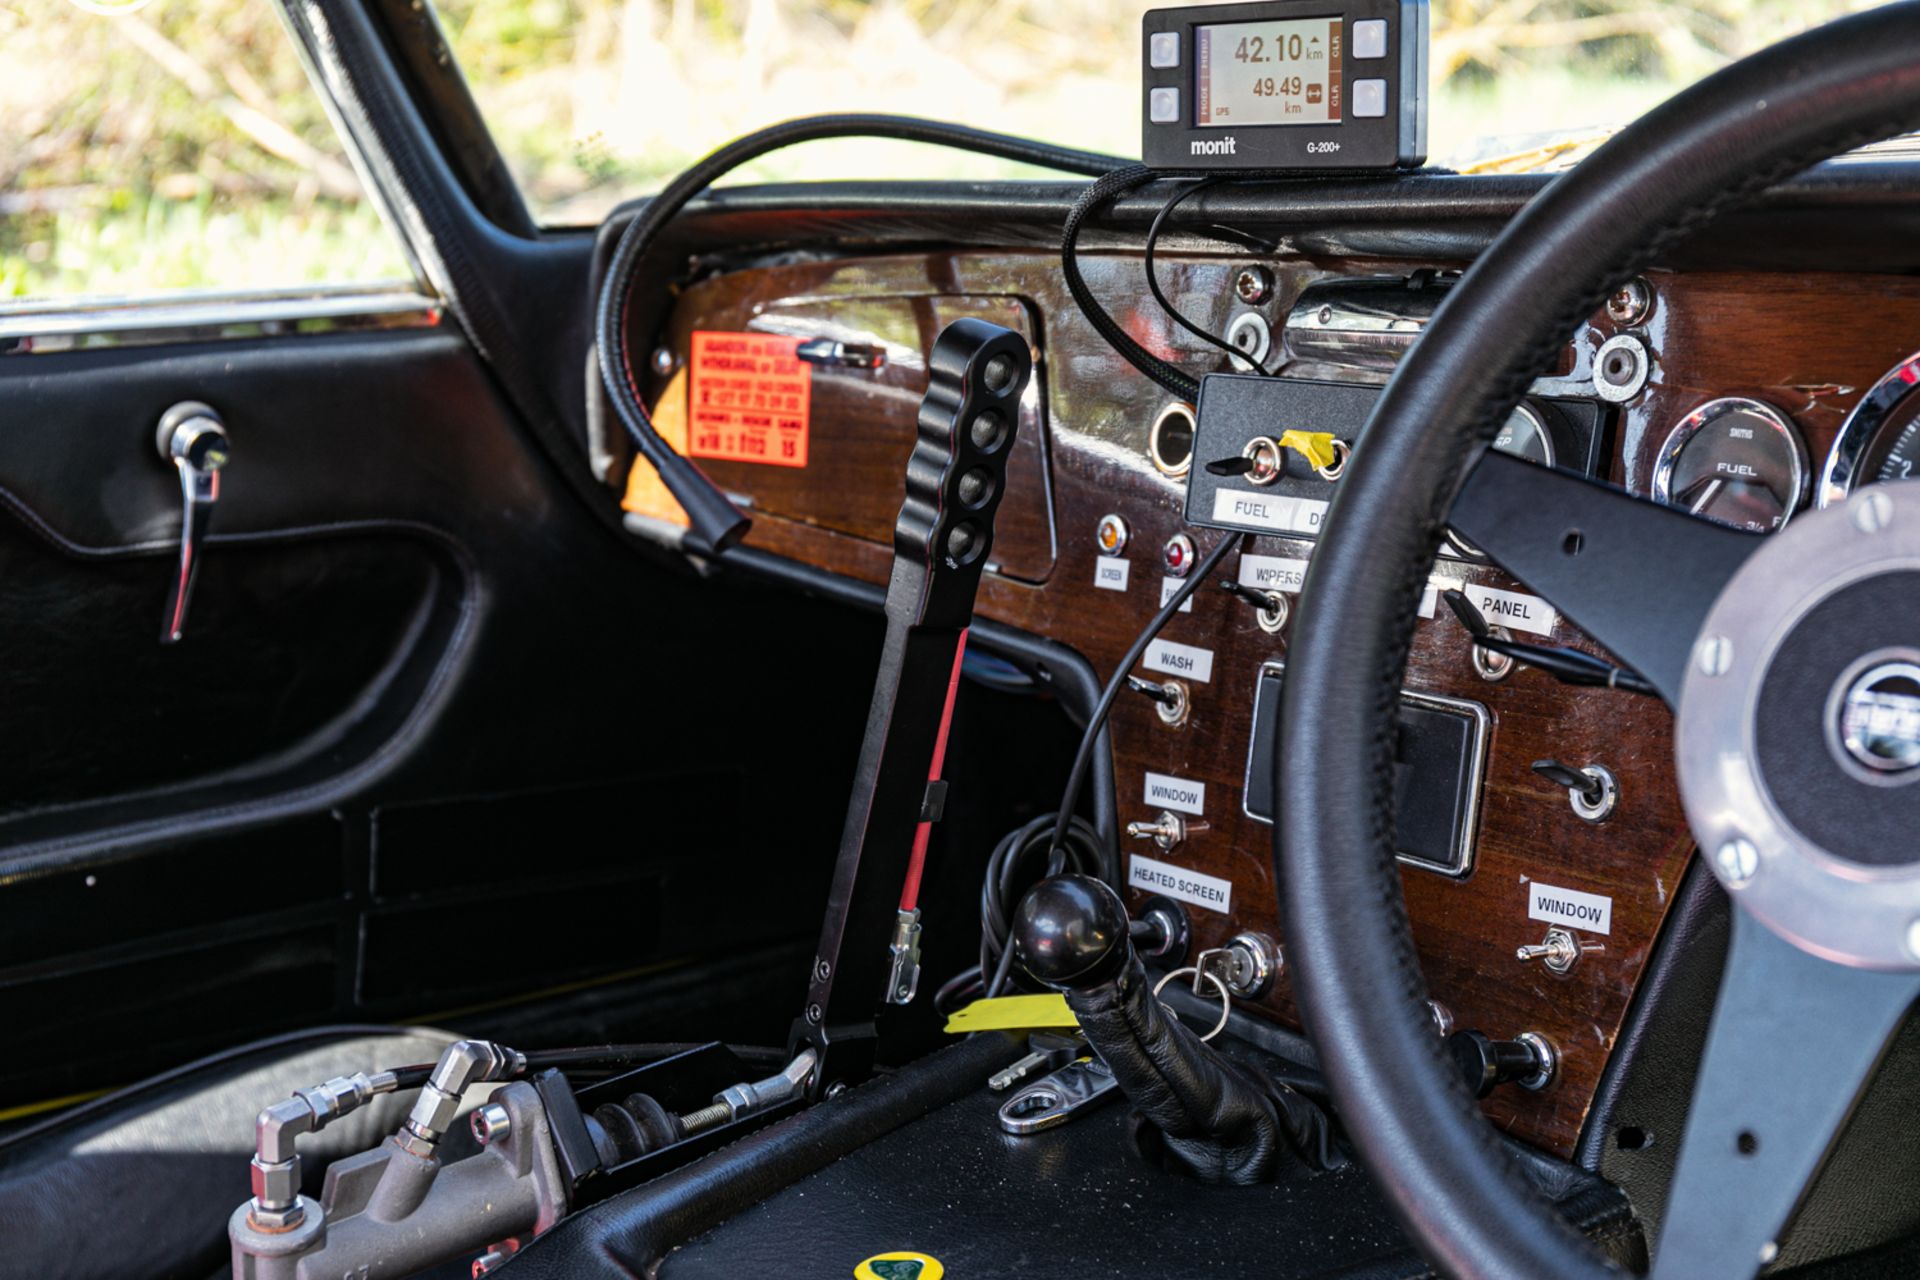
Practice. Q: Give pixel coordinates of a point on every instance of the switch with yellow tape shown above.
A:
(1315, 446)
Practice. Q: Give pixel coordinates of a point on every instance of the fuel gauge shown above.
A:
(1735, 460)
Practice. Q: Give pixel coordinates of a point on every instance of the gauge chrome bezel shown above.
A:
(1712, 411)
(1540, 428)
(1539, 420)
(1840, 475)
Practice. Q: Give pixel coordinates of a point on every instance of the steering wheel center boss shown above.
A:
(1285, 85)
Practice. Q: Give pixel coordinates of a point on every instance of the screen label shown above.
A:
(1253, 73)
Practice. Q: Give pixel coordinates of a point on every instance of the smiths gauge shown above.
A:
(1735, 460)
(1880, 439)
(1286, 84)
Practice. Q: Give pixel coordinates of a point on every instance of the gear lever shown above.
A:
(1218, 1120)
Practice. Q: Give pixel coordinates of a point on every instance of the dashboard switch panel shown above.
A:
(1438, 767)
(1237, 411)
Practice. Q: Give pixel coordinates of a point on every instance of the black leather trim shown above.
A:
(1361, 990)
(1214, 1119)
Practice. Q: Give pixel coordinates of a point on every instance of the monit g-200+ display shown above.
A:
(1285, 84)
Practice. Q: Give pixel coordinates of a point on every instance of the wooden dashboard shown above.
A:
(1807, 344)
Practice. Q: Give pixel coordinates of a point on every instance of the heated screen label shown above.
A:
(748, 399)
(1155, 876)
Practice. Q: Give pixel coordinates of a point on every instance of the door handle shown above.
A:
(194, 439)
(832, 353)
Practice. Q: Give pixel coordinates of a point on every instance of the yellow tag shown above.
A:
(900, 1265)
(1315, 446)
(1013, 1013)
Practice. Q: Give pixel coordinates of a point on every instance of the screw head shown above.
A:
(1713, 655)
(663, 361)
(1253, 284)
(822, 970)
(1630, 303)
(1738, 862)
(1871, 510)
(490, 1124)
(815, 1013)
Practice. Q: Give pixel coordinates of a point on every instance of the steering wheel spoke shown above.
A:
(1638, 576)
(1793, 1041)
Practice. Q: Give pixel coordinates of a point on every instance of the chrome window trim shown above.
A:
(313, 37)
(48, 326)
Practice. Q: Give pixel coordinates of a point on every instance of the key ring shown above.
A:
(1226, 999)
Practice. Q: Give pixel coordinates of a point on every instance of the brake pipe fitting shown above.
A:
(464, 1064)
(276, 1164)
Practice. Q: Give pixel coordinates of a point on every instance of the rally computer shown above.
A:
(1285, 84)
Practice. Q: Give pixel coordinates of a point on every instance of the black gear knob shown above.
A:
(1070, 932)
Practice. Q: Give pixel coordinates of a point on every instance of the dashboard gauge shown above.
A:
(1880, 440)
(1734, 460)
(1526, 435)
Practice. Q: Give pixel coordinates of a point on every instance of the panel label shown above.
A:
(1167, 792)
(1181, 660)
(1273, 573)
(1510, 609)
(1155, 876)
(1168, 586)
(1111, 572)
(1588, 912)
(1268, 512)
(748, 398)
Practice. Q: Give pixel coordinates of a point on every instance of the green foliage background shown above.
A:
(180, 146)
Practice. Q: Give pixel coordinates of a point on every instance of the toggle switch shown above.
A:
(1271, 607)
(1592, 789)
(1170, 697)
(1167, 830)
(1559, 951)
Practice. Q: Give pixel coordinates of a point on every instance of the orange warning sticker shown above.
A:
(748, 399)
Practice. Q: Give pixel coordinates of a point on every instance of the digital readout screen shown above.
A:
(1269, 72)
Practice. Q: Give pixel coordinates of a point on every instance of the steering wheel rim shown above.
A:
(1360, 989)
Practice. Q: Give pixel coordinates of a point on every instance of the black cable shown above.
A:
(615, 1056)
(714, 522)
(1084, 851)
(1166, 304)
(1095, 197)
(1083, 758)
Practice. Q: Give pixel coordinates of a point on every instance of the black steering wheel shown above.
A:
(1765, 647)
